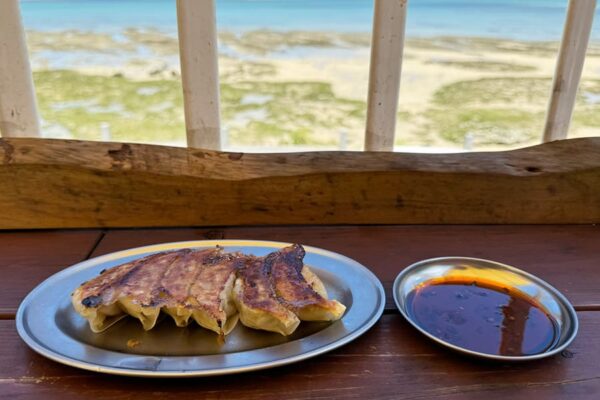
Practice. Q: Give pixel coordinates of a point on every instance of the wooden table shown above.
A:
(390, 361)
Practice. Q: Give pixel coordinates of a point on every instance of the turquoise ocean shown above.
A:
(511, 19)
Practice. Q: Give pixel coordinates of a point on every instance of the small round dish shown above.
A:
(449, 268)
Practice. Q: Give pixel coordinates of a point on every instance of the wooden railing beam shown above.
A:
(18, 108)
(571, 56)
(77, 184)
(199, 72)
(389, 20)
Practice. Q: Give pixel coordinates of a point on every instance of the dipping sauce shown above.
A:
(482, 318)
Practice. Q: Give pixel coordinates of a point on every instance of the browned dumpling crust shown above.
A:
(295, 292)
(257, 301)
(184, 284)
(211, 287)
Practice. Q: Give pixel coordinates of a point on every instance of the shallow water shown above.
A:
(514, 19)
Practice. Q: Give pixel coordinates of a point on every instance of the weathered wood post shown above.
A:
(18, 108)
(199, 72)
(387, 44)
(569, 65)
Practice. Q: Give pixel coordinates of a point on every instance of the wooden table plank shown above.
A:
(27, 258)
(391, 361)
(566, 256)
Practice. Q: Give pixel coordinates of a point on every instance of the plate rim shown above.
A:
(562, 299)
(124, 371)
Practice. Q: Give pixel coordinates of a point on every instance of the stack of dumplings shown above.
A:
(211, 287)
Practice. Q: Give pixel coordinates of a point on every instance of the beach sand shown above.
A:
(305, 90)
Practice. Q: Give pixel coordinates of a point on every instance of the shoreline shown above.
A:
(309, 88)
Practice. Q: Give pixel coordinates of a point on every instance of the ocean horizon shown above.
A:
(529, 20)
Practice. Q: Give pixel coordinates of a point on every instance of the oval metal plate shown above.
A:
(47, 322)
(553, 301)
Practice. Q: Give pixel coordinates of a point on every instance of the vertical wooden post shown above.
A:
(569, 65)
(18, 108)
(199, 72)
(387, 44)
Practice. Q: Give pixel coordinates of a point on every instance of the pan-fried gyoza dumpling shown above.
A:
(275, 292)
(299, 289)
(272, 293)
(257, 303)
(99, 299)
(198, 286)
(211, 294)
(183, 283)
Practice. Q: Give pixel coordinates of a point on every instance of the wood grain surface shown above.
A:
(391, 361)
(27, 258)
(57, 184)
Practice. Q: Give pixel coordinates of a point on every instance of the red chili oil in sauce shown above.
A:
(483, 318)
